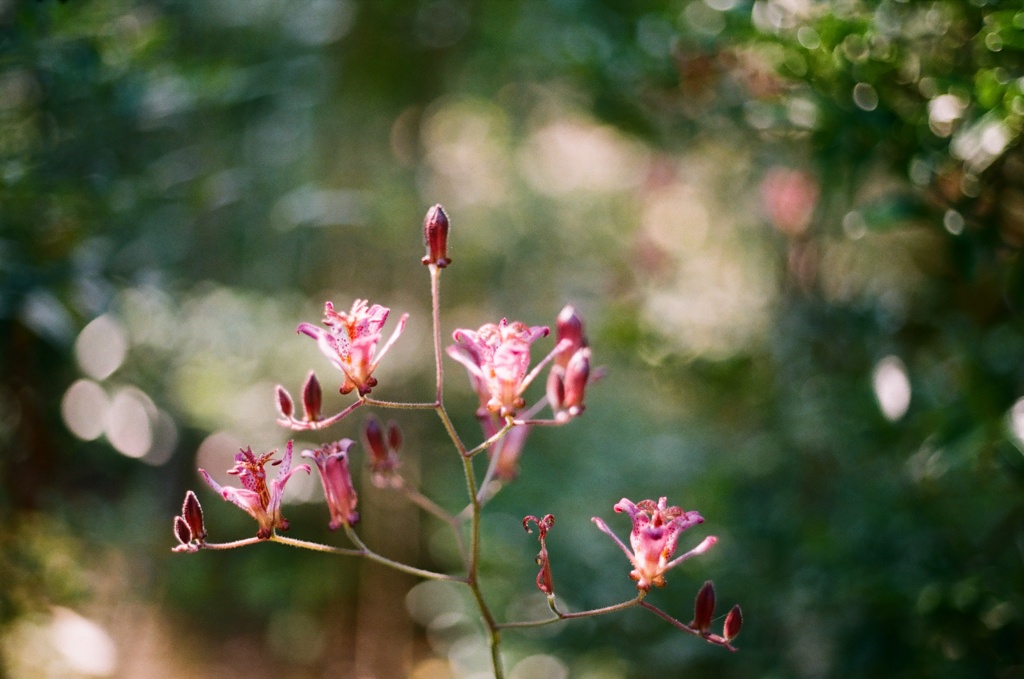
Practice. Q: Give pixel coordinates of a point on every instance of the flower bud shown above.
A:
(312, 398)
(383, 453)
(569, 326)
(435, 237)
(704, 608)
(373, 437)
(394, 436)
(181, 531)
(284, 403)
(733, 623)
(556, 388)
(192, 513)
(577, 374)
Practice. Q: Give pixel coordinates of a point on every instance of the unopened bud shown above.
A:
(373, 437)
(181, 531)
(383, 453)
(284, 403)
(312, 398)
(435, 236)
(577, 374)
(556, 388)
(192, 513)
(704, 607)
(569, 326)
(733, 623)
(394, 436)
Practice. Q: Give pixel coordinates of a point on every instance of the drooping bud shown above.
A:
(312, 398)
(704, 608)
(383, 457)
(285, 406)
(394, 436)
(373, 437)
(733, 623)
(435, 237)
(192, 513)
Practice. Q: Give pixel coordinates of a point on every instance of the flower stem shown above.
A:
(493, 630)
(450, 428)
(363, 550)
(314, 546)
(491, 440)
(230, 545)
(398, 405)
(301, 425)
(710, 638)
(432, 508)
(559, 615)
(435, 302)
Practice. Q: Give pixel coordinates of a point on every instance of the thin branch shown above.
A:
(399, 405)
(492, 439)
(368, 553)
(303, 425)
(559, 615)
(230, 545)
(710, 638)
(435, 304)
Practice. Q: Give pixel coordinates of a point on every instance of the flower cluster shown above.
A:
(497, 359)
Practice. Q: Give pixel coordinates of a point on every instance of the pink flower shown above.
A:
(656, 529)
(350, 340)
(262, 501)
(497, 358)
(332, 461)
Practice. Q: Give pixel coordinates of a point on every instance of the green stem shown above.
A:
(490, 441)
(493, 630)
(450, 428)
(559, 616)
(365, 551)
(473, 566)
(230, 545)
(314, 546)
(431, 507)
(398, 405)
(435, 301)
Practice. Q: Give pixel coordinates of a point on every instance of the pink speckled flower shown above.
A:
(497, 358)
(350, 340)
(332, 461)
(261, 500)
(656, 529)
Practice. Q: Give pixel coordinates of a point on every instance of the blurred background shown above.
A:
(792, 227)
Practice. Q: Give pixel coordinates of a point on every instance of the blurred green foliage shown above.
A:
(779, 219)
